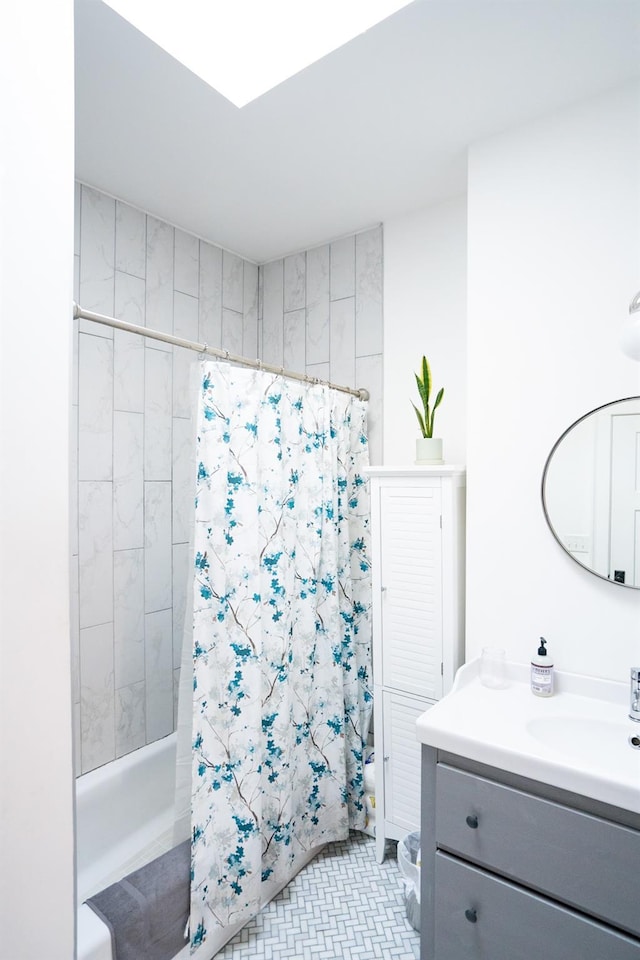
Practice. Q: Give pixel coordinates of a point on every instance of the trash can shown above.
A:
(409, 863)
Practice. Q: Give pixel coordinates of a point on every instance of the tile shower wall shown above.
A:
(321, 314)
(318, 312)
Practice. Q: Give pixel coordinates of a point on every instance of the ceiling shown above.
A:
(375, 129)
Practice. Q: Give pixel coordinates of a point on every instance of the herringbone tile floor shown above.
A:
(343, 906)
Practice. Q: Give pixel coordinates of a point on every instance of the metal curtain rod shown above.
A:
(80, 314)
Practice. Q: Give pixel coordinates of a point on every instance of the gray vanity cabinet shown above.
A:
(513, 869)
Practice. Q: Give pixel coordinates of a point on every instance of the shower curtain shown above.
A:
(282, 643)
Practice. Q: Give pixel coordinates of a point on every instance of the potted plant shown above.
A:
(428, 447)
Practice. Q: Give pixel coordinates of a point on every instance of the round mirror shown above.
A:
(591, 491)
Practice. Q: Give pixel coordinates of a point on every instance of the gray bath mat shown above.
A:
(147, 912)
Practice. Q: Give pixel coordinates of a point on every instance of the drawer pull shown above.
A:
(472, 821)
(471, 915)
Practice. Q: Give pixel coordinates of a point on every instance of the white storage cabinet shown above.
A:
(417, 528)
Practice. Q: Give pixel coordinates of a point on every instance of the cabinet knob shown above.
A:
(471, 915)
(472, 821)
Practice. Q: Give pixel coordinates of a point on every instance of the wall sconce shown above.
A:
(630, 336)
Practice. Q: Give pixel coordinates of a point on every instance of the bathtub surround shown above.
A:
(318, 311)
(132, 493)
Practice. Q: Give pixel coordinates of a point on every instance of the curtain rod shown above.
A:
(80, 314)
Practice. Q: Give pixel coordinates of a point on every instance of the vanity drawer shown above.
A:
(484, 917)
(584, 861)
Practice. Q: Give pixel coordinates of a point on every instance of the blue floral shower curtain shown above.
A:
(282, 646)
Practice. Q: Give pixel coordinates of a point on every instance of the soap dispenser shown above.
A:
(542, 671)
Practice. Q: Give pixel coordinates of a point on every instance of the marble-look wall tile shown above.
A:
(187, 263)
(182, 588)
(75, 346)
(210, 298)
(294, 341)
(321, 371)
(95, 408)
(77, 742)
(250, 315)
(159, 674)
(232, 281)
(97, 252)
(343, 264)
(294, 282)
(95, 553)
(129, 718)
(159, 288)
(157, 415)
(318, 263)
(343, 339)
(129, 299)
(369, 292)
(77, 201)
(131, 240)
(232, 331)
(73, 482)
(369, 376)
(74, 630)
(76, 278)
(273, 315)
(97, 708)
(157, 541)
(128, 348)
(185, 322)
(176, 696)
(128, 612)
(184, 473)
(128, 480)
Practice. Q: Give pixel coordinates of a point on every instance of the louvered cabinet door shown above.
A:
(411, 587)
(401, 763)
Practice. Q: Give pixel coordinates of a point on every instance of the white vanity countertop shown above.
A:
(577, 739)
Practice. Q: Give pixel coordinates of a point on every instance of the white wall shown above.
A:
(554, 259)
(36, 224)
(425, 313)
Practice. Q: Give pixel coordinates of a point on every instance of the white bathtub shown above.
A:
(124, 819)
(124, 812)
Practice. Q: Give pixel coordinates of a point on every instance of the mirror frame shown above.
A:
(611, 403)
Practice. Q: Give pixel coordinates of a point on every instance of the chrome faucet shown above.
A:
(634, 710)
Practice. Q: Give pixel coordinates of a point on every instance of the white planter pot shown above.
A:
(428, 450)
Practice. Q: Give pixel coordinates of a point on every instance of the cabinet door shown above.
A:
(401, 758)
(583, 860)
(411, 582)
(482, 917)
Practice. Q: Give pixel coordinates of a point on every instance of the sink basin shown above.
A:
(581, 737)
(578, 739)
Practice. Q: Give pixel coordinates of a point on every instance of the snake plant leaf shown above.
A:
(423, 429)
(422, 390)
(439, 397)
(426, 378)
